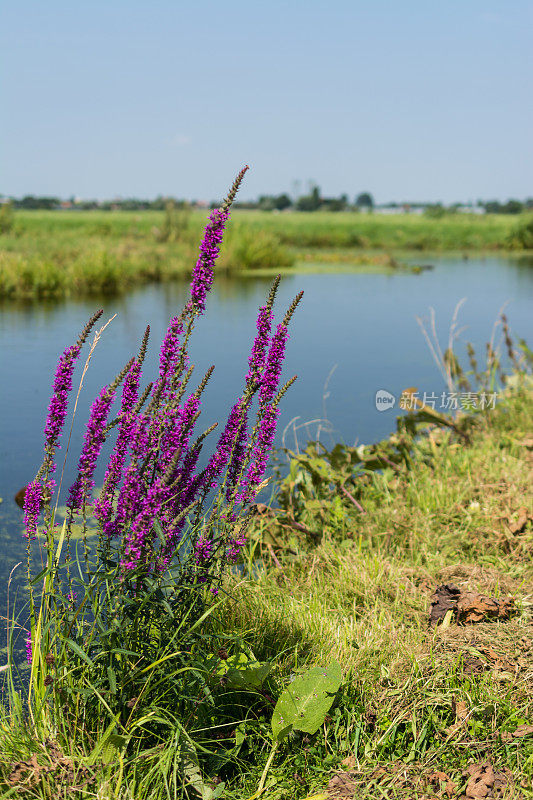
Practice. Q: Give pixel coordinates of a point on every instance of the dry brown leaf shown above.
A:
(349, 762)
(481, 780)
(523, 730)
(460, 710)
(342, 785)
(484, 782)
(473, 607)
(438, 778)
(468, 607)
(444, 600)
(518, 521)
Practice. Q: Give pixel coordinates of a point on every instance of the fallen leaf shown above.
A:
(444, 600)
(473, 607)
(518, 521)
(484, 782)
(523, 730)
(349, 762)
(473, 665)
(460, 710)
(438, 778)
(342, 785)
(481, 780)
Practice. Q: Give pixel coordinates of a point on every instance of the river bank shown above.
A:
(423, 709)
(85, 253)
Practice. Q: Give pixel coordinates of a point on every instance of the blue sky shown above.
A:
(408, 100)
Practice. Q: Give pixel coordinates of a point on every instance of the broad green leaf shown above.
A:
(303, 705)
(193, 774)
(250, 678)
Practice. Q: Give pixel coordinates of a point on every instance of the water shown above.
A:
(358, 329)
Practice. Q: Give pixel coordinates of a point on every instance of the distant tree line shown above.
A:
(312, 201)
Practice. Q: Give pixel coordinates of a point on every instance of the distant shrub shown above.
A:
(176, 223)
(521, 237)
(6, 218)
(253, 249)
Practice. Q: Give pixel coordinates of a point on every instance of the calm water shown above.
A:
(362, 327)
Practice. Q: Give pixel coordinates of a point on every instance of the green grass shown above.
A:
(50, 253)
(356, 589)
(379, 231)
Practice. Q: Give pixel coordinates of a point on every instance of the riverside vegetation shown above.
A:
(158, 669)
(57, 253)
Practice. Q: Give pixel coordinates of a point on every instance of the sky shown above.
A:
(406, 99)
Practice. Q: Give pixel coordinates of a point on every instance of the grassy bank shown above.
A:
(50, 253)
(345, 570)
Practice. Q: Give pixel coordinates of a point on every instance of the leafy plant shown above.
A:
(302, 706)
(121, 641)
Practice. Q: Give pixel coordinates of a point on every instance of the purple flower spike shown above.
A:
(225, 445)
(57, 410)
(261, 452)
(202, 277)
(94, 439)
(202, 551)
(103, 506)
(32, 508)
(170, 348)
(29, 651)
(257, 358)
(140, 536)
(276, 354)
(235, 547)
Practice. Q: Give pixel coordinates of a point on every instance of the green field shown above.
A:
(54, 253)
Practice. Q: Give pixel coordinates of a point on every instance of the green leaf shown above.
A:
(303, 705)
(113, 745)
(77, 649)
(192, 772)
(250, 678)
(111, 675)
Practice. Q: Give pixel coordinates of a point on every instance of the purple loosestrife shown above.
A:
(170, 348)
(257, 358)
(94, 439)
(29, 651)
(203, 273)
(139, 537)
(266, 432)
(234, 548)
(131, 494)
(202, 277)
(32, 508)
(62, 386)
(276, 354)
(256, 361)
(203, 550)
(238, 451)
(180, 422)
(225, 445)
(103, 507)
